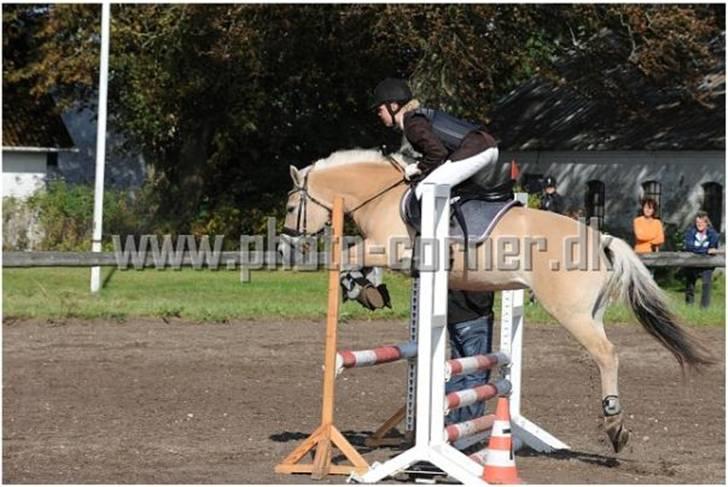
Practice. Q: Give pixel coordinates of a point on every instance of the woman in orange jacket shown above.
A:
(648, 232)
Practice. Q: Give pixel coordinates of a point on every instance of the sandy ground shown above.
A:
(156, 402)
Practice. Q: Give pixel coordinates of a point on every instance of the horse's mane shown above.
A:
(343, 157)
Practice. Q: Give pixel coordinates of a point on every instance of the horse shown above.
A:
(372, 186)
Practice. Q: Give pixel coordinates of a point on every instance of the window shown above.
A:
(594, 202)
(713, 203)
(653, 189)
(52, 159)
(532, 183)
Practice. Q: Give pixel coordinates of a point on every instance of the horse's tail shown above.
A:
(632, 283)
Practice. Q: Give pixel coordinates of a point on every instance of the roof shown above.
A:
(29, 123)
(543, 115)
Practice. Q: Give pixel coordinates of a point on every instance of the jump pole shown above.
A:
(327, 436)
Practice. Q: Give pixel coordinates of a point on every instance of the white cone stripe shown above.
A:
(499, 458)
(501, 428)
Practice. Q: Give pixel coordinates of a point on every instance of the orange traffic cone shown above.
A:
(500, 463)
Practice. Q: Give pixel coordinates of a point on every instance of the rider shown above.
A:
(452, 150)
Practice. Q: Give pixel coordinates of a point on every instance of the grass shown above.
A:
(218, 296)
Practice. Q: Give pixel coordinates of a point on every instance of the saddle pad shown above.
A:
(480, 216)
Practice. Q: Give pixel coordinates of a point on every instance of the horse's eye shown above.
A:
(290, 209)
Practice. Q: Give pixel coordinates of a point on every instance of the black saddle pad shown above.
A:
(478, 211)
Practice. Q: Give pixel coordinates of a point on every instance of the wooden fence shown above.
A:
(233, 259)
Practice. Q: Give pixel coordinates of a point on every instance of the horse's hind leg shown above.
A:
(589, 331)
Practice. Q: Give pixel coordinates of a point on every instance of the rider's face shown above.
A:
(384, 114)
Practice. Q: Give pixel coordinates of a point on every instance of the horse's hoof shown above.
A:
(618, 434)
(621, 439)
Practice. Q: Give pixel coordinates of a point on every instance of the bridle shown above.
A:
(301, 220)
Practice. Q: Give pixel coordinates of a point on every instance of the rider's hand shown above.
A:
(411, 170)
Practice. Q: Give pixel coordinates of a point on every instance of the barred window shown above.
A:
(594, 201)
(653, 189)
(713, 203)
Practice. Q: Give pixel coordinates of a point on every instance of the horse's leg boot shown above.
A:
(618, 434)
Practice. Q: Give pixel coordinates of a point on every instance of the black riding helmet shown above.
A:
(391, 90)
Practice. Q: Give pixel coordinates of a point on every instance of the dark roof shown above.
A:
(543, 115)
(30, 122)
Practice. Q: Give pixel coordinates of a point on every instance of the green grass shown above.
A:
(219, 296)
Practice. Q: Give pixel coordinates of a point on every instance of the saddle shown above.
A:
(474, 210)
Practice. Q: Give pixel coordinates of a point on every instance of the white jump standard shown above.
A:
(431, 436)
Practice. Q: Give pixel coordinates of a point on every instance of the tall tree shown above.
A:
(221, 98)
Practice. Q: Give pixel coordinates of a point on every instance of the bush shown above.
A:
(63, 214)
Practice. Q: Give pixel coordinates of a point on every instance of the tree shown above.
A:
(222, 98)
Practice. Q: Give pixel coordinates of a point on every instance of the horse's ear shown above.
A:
(296, 176)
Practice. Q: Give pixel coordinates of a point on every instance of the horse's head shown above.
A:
(362, 177)
(305, 214)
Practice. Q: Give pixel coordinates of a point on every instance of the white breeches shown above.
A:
(453, 173)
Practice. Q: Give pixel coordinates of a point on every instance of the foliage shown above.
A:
(65, 214)
(222, 98)
(534, 200)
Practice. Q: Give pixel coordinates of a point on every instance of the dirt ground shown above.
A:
(157, 402)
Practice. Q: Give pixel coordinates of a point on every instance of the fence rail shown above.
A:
(112, 259)
(148, 260)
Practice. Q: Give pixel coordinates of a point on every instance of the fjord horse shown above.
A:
(576, 296)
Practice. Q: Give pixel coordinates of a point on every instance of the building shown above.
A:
(33, 136)
(606, 158)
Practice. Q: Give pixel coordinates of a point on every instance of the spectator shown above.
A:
(701, 239)
(551, 200)
(648, 232)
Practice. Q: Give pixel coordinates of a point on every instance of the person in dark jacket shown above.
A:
(551, 200)
(701, 239)
(452, 150)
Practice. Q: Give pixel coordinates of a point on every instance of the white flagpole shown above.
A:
(101, 144)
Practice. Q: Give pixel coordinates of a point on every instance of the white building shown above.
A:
(32, 138)
(605, 159)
